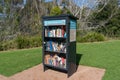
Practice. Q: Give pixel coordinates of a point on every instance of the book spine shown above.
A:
(45, 32)
(53, 32)
(55, 60)
(51, 48)
(63, 31)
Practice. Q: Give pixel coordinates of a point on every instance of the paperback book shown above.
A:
(55, 60)
(55, 46)
(55, 32)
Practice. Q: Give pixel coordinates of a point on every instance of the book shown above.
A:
(55, 46)
(55, 60)
(63, 31)
(55, 32)
(65, 35)
(51, 47)
(46, 33)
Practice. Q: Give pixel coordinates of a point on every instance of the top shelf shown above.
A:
(47, 37)
(55, 26)
(54, 22)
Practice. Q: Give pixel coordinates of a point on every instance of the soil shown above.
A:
(36, 73)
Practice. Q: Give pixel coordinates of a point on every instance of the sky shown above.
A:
(89, 3)
(24, 2)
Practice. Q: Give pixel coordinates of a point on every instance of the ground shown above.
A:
(36, 73)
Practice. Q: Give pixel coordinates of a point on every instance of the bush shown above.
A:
(81, 33)
(1, 47)
(22, 42)
(55, 11)
(91, 37)
(9, 45)
(28, 42)
(35, 41)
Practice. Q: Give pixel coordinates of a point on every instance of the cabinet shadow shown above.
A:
(78, 58)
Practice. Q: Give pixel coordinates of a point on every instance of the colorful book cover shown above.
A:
(63, 31)
(53, 32)
(48, 33)
(51, 48)
(65, 35)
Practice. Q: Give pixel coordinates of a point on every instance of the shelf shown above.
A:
(56, 37)
(56, 67)
(54, 25)
(59, 43)
(55, 52)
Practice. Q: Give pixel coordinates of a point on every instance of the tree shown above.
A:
(83, 10)
(55, 11)
(107, 19)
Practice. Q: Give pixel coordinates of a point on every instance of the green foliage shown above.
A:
(106, 11)
(66, 11)
(1, 47)
(28, 42)
(7, 45)
(22, 42)
(91, 37)
(36, 41)
(1, 9)
(55, 11)
(111, 29)
(108, 19)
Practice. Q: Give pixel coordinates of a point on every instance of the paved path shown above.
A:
(36, 73)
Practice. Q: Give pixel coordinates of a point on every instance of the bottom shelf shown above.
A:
(55, 60)
(55, 67)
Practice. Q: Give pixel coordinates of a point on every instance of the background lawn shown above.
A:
(102, 55)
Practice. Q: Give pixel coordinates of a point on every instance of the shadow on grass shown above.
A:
(78, 58)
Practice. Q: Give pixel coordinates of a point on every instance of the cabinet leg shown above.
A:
(45, 68)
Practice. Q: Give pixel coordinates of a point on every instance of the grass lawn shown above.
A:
(102, 55)
(12, 62)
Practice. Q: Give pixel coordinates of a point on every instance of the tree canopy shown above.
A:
(22, 19)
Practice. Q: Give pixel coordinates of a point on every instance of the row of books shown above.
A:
(55, 60)
(55, 32)
(55, 46)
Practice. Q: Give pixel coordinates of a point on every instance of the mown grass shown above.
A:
(12, 62)
(102, 55)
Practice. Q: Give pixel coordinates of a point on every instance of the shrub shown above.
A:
(1, 47)
(28, 42)
(35, 41)
(81, 33)
(91, 37)
(55, 11)
(22, 42)
(9, 45)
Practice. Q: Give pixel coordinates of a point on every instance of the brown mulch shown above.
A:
(36, 73)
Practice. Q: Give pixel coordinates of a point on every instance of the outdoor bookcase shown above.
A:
(59, 43)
